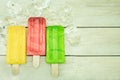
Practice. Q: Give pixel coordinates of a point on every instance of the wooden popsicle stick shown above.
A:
(15, 69)
(36, 61)
(54, 70)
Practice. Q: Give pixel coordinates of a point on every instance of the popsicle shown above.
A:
(55, 47)
(16, 47)
(36, 38)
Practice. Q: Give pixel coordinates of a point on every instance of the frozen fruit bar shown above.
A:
(36, 36)
(16, 45)
(55, 45)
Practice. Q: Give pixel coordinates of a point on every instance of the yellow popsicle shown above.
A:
(16, 45)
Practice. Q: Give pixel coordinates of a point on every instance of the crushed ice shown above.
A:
(18, 15)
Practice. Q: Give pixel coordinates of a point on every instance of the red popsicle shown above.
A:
(36, 37)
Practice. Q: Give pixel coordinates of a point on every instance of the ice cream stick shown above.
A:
(36, 61)
(15, 69)
(55, 70)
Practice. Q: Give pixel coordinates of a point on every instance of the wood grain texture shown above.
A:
(88, 13)
(75, 68)
(97, 13)
(94, 41)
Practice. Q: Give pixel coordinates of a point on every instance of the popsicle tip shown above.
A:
(31, 18)
(56, 26)
(15, 69)
(55, 70)
(36, 61)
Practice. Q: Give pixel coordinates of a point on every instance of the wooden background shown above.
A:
(92, 47)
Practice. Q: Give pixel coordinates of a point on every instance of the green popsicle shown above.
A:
(55, 45)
